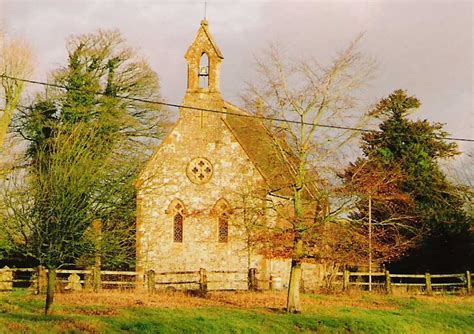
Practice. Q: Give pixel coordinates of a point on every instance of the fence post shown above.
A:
(345, 280)
(428, 283)
(42, 280)
(96, 280)
(203, 281)
(468, 281)
(252, 279)
(88, 278)
(150, 279)
(388, 282)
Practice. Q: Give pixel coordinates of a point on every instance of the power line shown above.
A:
(175, 105)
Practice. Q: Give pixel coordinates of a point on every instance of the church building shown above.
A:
(189, 195)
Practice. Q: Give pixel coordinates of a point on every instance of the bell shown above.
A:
(204, 71)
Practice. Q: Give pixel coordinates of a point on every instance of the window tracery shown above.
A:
(178, 228)
(199, 170)
(223, 211)
(177, 210)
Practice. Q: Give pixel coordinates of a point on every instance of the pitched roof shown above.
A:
(261, 148)
(204, 28)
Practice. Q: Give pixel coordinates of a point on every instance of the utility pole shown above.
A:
(370, 242)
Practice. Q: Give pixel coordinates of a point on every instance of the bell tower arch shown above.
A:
(204, 60)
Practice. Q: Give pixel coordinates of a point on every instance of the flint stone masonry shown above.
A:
(200, 247)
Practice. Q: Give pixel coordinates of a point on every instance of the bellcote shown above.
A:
(204, 60)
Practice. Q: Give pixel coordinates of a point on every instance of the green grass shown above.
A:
(21, 313)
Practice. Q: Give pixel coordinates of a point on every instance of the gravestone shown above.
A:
(74, 283)
(6, 279)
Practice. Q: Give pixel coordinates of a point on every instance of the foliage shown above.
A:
(112, 136)
(390, 228)
(86, 143)
(416, 147)
(69, 186)
(105, 84)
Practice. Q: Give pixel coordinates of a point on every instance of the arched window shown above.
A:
(222, 210)
(177, 210)
(223, 228)
(178, 228)
(204, 71)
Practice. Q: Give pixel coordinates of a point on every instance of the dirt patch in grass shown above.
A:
(108, 301)
(8, 308)
(18, 327)
(94, 311)
(449, 300)
(116, 299)
(273, 300)
(74, 326)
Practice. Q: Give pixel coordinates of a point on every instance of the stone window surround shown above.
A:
(199, 170)
(207, 75)
(177, 210)
(221, 209)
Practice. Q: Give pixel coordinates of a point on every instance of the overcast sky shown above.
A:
(422, 46)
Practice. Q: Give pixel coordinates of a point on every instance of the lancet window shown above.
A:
(204, 71)
(177, 210)
(223, 211)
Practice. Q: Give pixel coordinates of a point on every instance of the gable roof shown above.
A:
(261, 148)
(204, 29)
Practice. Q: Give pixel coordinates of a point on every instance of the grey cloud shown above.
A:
(422, 46)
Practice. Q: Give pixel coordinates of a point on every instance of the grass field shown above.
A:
(116, 312)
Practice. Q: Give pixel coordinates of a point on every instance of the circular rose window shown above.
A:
(199, 170)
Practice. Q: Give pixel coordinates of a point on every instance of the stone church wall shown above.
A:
(232, 174)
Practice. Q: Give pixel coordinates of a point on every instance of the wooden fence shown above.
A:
(386, 280)
(36, 278)
(203, 280)
(69, 279)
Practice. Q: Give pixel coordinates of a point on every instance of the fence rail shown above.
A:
(205, 280)
(386, 279)
(72, 279)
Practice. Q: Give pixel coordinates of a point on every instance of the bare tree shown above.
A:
(309, 96)
(16, 59)
(251, 205)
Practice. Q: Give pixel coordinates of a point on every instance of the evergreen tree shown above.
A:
(416, 147)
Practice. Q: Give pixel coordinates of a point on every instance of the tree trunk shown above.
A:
(97, 282)
(293, 304)
(50, 290)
